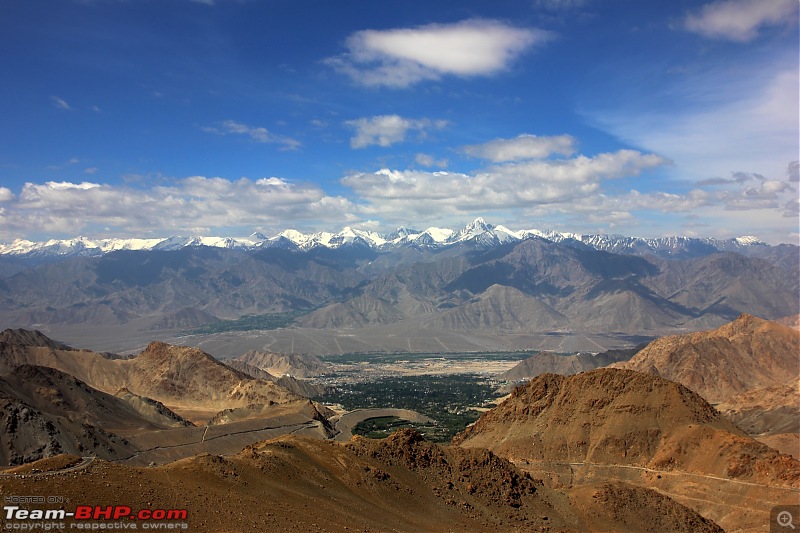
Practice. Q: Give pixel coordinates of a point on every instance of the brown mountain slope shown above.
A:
(188, 380)
(622, 506)
(613, 425)
(566, 365)
(29, 434)
(59, 394)
(300, 387)
(621, 417)
(47, 412)
(24, 337)
(189, 377)
(152, 409)
(748, 353)
(770, 414)
(278, 364)
(793, 321)
(294, 484)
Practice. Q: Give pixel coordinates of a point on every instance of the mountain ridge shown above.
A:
(478, 232)
(188, 380)
(618, 416)
(745, 354)
(525, 286)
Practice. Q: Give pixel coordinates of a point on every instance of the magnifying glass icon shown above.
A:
(785, 519)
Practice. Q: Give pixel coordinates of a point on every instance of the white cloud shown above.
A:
(403, 57)
(523, 147)
(395, 194)
(767, 194)
(181, 207)
(6, 195)
(60, 103)
(258, 134)
(634, 200)
(62, 185)
(766, 208)
(386, 130)
(740, 20)
(427, 160)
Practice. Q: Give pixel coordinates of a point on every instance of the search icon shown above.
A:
(785, 519)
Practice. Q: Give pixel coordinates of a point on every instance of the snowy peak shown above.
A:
(478, 225)
(483, 234)
(748, 240)
(478, 233)
(401, 233)
(477, 229)
(348, 236)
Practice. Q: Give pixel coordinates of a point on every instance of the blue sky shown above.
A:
(223, 117)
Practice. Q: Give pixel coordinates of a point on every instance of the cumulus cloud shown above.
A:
(257, 134)
(523, 147)
(746, 191)
(740, 20)
(403, 57)
(503, 186)
(766, 195)
(6, 194)
(386, 130)
(180, 207)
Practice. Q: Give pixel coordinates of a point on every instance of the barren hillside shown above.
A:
(748, 353)
(187, 380)
(400, 484)
(621, 425)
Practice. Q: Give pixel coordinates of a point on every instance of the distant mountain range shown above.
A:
(481, 279)
(479, 232)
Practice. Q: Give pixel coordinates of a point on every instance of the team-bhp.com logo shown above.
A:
(93, 517)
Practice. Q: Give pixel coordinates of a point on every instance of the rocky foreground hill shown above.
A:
(748, 368)
(56, 399)
(613, 424)
(620, 417)
(606, 450)
(746, 354)
(400, 484)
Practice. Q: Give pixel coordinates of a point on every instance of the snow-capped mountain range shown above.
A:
(479, 233)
